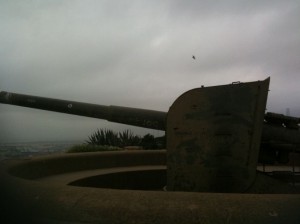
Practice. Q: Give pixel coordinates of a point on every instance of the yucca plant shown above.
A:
(112, 138)
(127, 138)
(104, 137)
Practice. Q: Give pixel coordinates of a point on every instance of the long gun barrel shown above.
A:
(124, 115)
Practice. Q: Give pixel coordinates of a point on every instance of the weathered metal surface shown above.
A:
(280, 139)
(213, 137)
(282, 120)
(124, 115)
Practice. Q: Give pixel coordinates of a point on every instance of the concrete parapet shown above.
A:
(27, 198)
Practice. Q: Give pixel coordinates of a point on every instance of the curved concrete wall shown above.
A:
(25, 199)
(52, 165)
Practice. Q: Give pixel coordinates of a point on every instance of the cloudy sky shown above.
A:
(139, 54)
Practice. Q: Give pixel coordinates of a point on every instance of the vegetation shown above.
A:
(92, 148)
(104, 137)
(108, 140)
(148, 142)
(125, 138)
(128, 139)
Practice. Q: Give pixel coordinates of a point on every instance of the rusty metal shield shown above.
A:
(213, 137)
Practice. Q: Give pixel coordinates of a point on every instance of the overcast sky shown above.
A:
(139, 54)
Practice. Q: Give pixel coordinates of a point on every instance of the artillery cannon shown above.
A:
(215, 138)
(221, 130)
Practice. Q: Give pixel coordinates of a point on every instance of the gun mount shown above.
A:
(215, 138)
(212, 133)
(145, 118)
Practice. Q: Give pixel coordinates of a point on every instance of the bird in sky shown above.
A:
(194, 57)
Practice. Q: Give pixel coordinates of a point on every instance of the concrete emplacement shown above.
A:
(38, 190)
(182, 184)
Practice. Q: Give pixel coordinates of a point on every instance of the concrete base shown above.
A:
(35, 191)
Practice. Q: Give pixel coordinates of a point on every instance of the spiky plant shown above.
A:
(104, 137)
(127, 138)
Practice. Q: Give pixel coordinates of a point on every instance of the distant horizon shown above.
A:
(156, 133)
(42, 142)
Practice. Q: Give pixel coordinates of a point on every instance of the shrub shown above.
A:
(92, 148)
(148, 142)
(103, 137)
(128, 139)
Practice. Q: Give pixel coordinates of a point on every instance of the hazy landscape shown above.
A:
(30, 149)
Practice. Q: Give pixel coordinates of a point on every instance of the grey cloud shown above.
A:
(138, 53)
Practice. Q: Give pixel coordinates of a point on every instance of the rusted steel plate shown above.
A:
(213, 137)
